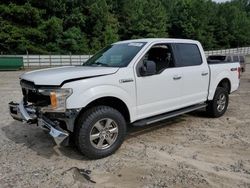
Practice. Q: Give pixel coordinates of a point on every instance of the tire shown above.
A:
(218, 106)
(99, 132)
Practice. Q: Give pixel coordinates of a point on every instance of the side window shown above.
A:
(242, 59)
(187, 55)
(229, 59)
(161, 55)
(235, 58)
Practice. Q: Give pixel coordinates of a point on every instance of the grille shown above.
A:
(31, 94)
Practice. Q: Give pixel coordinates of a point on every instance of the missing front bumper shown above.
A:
(27, 114)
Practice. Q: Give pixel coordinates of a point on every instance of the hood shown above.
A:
(58, 76)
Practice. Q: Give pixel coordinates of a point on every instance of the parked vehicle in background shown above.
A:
(229, 58)
(136, 82)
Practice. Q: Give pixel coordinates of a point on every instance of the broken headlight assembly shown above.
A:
(58, 99)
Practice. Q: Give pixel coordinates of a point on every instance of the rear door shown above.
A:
(195, 73)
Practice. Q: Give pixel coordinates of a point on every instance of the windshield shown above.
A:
(117, 55)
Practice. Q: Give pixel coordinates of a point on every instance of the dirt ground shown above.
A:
(188, 151)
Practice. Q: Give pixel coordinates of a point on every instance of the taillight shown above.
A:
(239, 70)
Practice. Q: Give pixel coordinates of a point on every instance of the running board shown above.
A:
(168, 115)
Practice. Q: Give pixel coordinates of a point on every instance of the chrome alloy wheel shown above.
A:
(104, 133)
(221, 102)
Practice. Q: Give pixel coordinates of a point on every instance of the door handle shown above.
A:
(177, 77)
(204, 74)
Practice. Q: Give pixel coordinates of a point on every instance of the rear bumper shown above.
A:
(29, 115)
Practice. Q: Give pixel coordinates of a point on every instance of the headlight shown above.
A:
(57, 99)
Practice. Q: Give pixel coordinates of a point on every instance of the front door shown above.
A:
(160, 92)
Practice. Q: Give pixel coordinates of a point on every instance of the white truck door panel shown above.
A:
(195, 73)
(158, 93)
(195, 84)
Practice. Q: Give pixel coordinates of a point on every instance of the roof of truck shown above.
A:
(150, 40)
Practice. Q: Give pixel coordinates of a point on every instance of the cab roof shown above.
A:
(151, 40)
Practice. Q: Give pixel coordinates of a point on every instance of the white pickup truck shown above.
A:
(136, 82)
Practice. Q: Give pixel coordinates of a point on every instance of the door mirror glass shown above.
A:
(148, 68)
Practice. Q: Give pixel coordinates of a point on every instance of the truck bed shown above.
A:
(219, 71)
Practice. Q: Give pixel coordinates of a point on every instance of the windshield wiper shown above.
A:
(101, 64)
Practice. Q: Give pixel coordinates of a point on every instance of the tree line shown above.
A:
(85, 26)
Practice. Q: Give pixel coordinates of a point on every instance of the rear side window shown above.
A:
(242, 59)
(235, 58)
(187, 55)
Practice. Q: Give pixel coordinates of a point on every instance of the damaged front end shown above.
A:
(45, 107)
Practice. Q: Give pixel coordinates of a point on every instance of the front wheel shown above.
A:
(100, 131)
(218, 106)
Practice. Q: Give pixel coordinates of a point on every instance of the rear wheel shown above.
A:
(100, 131)
(218, 106)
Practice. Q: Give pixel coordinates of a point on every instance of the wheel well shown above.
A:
(225, 83)
(113, 102)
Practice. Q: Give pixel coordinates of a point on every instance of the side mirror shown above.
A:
(148, 68)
